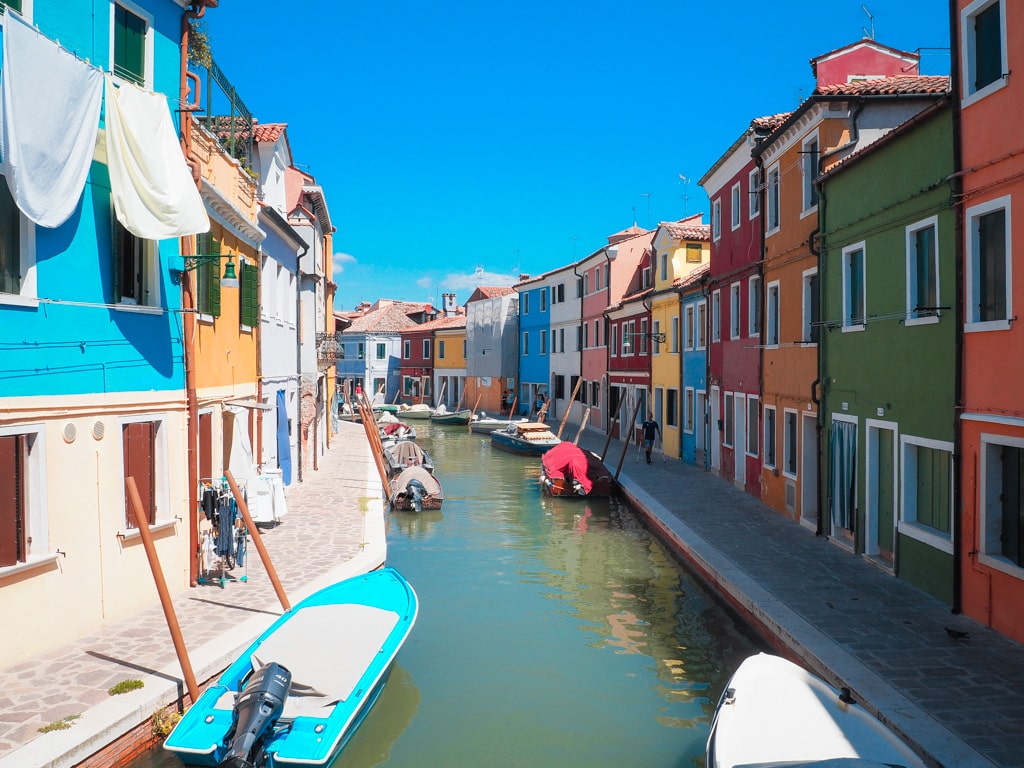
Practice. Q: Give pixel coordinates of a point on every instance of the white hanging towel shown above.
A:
(154, 195)
(51, 115)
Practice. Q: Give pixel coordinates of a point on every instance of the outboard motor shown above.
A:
(256, 710)
(417, 492)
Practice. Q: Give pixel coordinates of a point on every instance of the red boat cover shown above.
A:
(391, 428)
(567, 460)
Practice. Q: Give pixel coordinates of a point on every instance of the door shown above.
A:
(883, 480)
(700, 420)
(810, 455)
(739, 449)
(716, 432)
(843, 479)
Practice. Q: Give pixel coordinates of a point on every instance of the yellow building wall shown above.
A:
(665, 367)
(454, 342)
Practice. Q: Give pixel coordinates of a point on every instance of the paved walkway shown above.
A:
(334, 529)
(960, 702)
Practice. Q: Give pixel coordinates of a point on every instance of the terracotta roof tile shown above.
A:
(492, 291)
(268, 131)
(391, 318)
(769, 122)
(687, 229)
(889, 86)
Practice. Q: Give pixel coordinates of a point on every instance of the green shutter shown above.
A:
(15, 4)
(249, 295)
(213, 268)
(129, 45)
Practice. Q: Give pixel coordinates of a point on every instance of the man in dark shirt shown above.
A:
(650, 430)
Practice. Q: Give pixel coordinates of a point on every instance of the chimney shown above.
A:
(451, 308)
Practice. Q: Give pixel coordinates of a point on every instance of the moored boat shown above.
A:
(417, 411)
(414, 488)
(299, 692)
(455, 417)
(396, 430)
(403, 454)
(485, 425)
(569, 471)
(529, 438)
(775, 713)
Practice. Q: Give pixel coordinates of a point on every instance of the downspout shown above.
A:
(604, 330)
(763, 331)
(188, 305)
(819, 383)
(259, 372)
(705, 291)
(298, 361)
(579, 337)
(958, 322)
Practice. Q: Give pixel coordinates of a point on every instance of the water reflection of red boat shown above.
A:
(569, 471)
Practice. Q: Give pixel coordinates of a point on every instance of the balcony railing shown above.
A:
(329, 349)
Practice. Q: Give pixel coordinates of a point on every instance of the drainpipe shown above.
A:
(259, 373)
(763, 332)
(579, 335)
(298, 361)
(705, 291)
(958, 324)
(610, 252)
(819, 383)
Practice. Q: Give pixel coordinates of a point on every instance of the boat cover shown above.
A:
(567, 460)
(407, 454)
(415, 473)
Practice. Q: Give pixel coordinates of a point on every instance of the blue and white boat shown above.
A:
(300, 691)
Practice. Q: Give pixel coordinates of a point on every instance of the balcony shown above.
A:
(329, 350)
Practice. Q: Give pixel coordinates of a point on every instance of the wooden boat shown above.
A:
(405, 453)
(300, 691)
(774, 712)
(455, 417)
(414, 488)
(417, 411)
(529, 438)
(485, 425)
(569, 471)
(396, 430)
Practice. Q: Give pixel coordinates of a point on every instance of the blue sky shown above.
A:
(462, 144)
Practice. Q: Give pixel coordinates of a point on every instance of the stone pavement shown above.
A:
(959, 702)
(334, 528)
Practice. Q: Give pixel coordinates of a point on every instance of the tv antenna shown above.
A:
(648, 196)
(871, 19)
(686, 197)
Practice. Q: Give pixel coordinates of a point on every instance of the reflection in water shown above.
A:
(394, 710)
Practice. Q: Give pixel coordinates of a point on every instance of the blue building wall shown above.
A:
(694, 376)
(534, 363)
(76, 339)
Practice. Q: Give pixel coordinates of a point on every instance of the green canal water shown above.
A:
(551, 632)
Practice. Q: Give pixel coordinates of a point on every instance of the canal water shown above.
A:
(551, 632)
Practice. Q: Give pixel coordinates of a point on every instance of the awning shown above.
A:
(250, 403)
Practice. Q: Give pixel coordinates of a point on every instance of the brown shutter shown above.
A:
(12, 496)
(139, 463)
(206, 446)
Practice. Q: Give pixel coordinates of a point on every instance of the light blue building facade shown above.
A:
(694, 316)
(534, 343)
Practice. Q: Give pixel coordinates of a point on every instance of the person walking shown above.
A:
(650, 430)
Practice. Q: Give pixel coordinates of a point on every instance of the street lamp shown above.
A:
(658, 338)
(193, 263)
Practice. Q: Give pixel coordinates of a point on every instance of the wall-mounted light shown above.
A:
(627, 338)
(193, 263)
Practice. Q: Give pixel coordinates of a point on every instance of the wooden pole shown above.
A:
(611, 429)
(462, 394)
(376, 447)
(568, 408)
(583, 425)
(512, 408)
(142, 518)
(243, 508)
(473, 412)
(625, 446)
(441, 393)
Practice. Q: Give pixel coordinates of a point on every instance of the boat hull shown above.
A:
(570, 472)
(460, 418)
(523, 447)
(402, 497)
(316, 736)
(488, 426)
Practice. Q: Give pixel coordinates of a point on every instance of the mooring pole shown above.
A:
(583, 425)
(568, 408)
(142, 518)
(625, 445)
(243, 508)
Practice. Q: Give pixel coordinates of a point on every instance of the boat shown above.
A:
(776, 713)
(299, 692)
(403, 454)
(396, 430)
(484, 425)
(569, 471)
(455, 417)
(417, 411)
(530, 438)
(414, 488)
(384, 408)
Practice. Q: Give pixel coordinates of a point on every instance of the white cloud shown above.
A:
(479, 277)
(340, 260)
(425, 282)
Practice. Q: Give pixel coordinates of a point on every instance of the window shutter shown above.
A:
(139, 462)
(12, 498)
(129, 45)
(249, 295)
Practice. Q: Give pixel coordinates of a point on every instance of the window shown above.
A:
(586, 336)
(674, 333)
(754, 180)
(464, 342)
(1002, 503)
(406, 349)
(927, 487)
(671, 408)
(440, 349)
(655, 344)
(687, 409)
(579, 288)
(597, 278)
(559, 387)
(137, 276)
(734, 311)
(984, 53)
(730, 427)
(15, 4)
(772, 200)
(988, 265)
(772, 315)
(207, 275)
(561, 339)
(789, 443)
(811, 306)
(716, 316)
(853, 287)
(586, 284)
(716, 220)
(131, 45)
(560, 293)
(360, 350)
(754, 306)
(922, 271)
(734, 212)
(663, 269)
(249, 295)
(543, 299)
(647, 276)
(809, 168)
(23, 529)
(382, 350)
(614, 349)
(426, 349)
(17, 254)
(597, 333)
(543, 342)
(643, 335)
(701, 323)
(139, 444)
(595, 394)
(753, 424)
(694, 253)
(525, 303)
(769, 436)
(526, 343)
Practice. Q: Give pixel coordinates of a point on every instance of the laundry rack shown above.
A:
(223, 534)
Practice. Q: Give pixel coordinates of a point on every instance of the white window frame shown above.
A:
(771, 314)
(543, 299)
(848, 324)
(786, 414)
(663, 267)
(773, 203)
(754, 185)
(716, 219)
(524, 303)
(989, 506)
(972, 324)
(689, 397)
(968, 49)
(753, 430)
(700, 330)
(736, 209)
(147, 17)
(772, 439)
(655, 344)
(525, 350)
(161, 493)
(807, 334)
(915, 317)
(735, 298)
(808, 174)
(716, 316)
(406, 349)
(728, 418)
(674, 332)
(543, 342)
(427, 353)
(613, 348)
(907, 523)
(27, 295)
(754, 319)
(37, 548)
